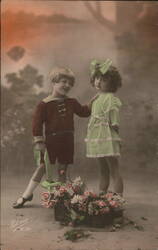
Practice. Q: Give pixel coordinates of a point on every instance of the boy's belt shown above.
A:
(62, 132)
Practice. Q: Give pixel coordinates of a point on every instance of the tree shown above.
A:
(18, 102)
(134, 20)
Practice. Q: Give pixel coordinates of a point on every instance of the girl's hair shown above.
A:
(57, 73)
(112, 76)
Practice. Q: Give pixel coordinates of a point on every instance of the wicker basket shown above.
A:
(115, 213)
(99, 221)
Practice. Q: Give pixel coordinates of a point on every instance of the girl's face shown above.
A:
(100, 84)
(62, 87)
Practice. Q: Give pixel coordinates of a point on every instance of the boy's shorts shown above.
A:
(60, 148)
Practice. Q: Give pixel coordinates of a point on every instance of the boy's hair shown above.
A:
(113, 77)
(57, 73)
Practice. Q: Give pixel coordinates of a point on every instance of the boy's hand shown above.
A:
(92, 100)
(40, 146)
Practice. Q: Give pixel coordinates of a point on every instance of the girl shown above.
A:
(103, 140)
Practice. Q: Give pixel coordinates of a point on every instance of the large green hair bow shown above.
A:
(100, 67)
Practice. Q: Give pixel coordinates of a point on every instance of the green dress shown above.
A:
(102, 139)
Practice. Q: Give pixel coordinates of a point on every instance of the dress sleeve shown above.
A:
(38, 122)
(114, 112)
(81, 110)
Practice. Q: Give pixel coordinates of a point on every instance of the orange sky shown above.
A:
(23, 29)
(38, 38)
(71, 8)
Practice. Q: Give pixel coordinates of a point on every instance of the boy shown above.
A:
(55, 114)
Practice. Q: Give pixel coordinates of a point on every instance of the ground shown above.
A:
(34, 228)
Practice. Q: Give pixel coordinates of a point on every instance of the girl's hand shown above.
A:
(115, 127)
(40, 146)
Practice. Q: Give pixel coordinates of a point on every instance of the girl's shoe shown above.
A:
(22, 202)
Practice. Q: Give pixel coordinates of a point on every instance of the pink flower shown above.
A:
(62, 190)
(51, 203)
(109, 195)
(76, 189)
(45, 204)
(45, 195)
(113, 203)
(69, 185)
(101, 203)
(88, 193)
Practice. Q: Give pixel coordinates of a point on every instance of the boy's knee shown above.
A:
(62, 170)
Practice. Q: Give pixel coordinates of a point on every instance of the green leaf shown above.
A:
(140, 228)
(73, 214)
(143, 218)
(81, 217)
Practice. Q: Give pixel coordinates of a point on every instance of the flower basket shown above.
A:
(60, 211)
(73, 205)
(115, 213)
(99, 214)
(99, 221)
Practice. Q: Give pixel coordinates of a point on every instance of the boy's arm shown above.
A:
(37, 123)
(81, 110)
(92, 100)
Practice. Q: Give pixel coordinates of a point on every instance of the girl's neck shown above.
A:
(105, 92)
(102, 92)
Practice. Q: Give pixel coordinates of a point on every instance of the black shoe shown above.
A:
(23, 200)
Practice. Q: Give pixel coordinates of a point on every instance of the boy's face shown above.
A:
(63, 86)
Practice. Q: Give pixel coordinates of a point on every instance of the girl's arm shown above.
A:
(114, 119)
(114, 114)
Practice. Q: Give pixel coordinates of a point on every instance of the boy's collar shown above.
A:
(52, 98)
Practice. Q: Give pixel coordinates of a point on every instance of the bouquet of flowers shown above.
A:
(78, 209)
(47, 200)
(78, 186)
(60, 198)
(57, 195)
(79, 203)
(62, 192)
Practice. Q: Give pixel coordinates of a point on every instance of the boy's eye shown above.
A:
(63, 81)
(67, 82)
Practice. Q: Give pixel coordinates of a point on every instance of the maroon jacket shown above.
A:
(56, 117)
